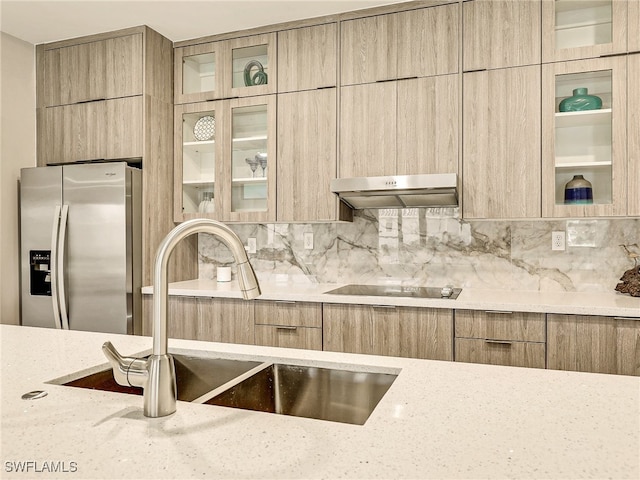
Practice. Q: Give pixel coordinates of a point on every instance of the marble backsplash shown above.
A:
(433, 246)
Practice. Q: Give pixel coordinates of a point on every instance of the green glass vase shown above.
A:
(580, 101)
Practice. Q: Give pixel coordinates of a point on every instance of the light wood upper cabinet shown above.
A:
(427, 125)
(428, 41)
(368, 49)
(501, 143)
(380, 330)
(582, 29)
(307, 58)
(231, 165)
(196, 73)
(368, 130)
(307, 156)
(250, 65)
(590, 143)
(633, 136)
(633, 26)
(92, 131)
(94, 70)
(500, 33)
(596, 344)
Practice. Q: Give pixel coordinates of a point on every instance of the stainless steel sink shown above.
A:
(312, 392)
(195, 376)
(322, 393)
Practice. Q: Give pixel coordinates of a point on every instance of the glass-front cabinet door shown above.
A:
(584, 138)
(197, 153)
(577, 29)
(250, 65)
(250, 165)
(196, 73)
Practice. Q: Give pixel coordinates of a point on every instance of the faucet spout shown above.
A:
(157, 376)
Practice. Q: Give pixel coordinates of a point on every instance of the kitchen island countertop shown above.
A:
(561, 302)
(438, 420)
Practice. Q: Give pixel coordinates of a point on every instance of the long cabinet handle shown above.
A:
(499, 342)
(390, 307)
(499, 311)
(284, 327)
(627, 318)
(288, 302)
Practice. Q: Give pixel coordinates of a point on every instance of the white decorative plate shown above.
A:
(205, 128)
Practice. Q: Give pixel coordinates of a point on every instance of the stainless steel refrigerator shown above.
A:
(81, 249)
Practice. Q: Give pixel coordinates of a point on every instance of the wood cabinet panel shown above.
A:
(368, 49)
(633, 134)
(633, 44)
(288, 314)
(494, 325)
(428, 124)
(501, 143)
(307, 155)
(307, 58)
(587, 343)
(555, 49)
(289, 337)
(123, 66)
(428, 41)
(124, 120)
(105, 130)
(500, 33)
(381, 330)
(92, 71)
(226, 320)
(368, 130)
(515, 354)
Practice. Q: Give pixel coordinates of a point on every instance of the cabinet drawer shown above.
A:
(515, 354)
(495, 325)
(289, 337)
(288, 314)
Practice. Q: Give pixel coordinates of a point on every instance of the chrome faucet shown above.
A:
(156, 374)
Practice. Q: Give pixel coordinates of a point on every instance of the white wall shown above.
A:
(17, 150)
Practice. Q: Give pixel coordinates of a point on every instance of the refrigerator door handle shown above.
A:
(54, 267)
(62, 237)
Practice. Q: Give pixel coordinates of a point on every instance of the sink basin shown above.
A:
(322, 393)
(195, 376)
(312, 392)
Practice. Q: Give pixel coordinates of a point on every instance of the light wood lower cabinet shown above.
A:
(500, 352)
(387, 330)
(288, 324)
(225, 320)
(589, 343)
(500, 338)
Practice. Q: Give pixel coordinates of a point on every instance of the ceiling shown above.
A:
(51, 20)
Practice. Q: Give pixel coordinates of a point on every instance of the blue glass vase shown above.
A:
(578, 191)
(580, 101)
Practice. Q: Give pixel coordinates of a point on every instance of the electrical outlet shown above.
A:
(558, 241)
(251, 245)
(308, 241)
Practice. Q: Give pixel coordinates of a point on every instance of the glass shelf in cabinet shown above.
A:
(584, 118)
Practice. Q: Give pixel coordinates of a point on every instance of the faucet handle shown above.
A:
(127, 371)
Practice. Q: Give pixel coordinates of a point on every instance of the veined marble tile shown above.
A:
(435, 247)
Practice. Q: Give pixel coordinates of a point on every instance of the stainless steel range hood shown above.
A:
(399, 191)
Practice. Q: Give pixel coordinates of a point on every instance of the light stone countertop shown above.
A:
(438, 420)
(576, 303)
